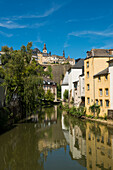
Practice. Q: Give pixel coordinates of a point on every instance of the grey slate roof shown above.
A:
(65, 80)
(48, 80)
(98, 53)
(101, 52)
(79, 64)
(103, 72)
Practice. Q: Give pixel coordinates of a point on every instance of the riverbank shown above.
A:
(80, 114)
(106, 122)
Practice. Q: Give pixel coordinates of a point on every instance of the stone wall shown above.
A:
(58, 71)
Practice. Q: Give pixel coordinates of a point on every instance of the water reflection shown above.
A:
(90, 143)
(51, 140)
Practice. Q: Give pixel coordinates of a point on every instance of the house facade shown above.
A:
(95, 62)
(73, 76)
(79, 91)
(102, 91)
(65, 85)
(48, 84)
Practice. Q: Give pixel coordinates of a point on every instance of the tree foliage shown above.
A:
(50, 72)
(65, 95)
(95, 109)
(49, 96)
(22, 77)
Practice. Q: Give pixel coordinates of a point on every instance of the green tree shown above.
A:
(58, 91)
(95, 109)
(23, 79)
(49, 96)
(50, 72)
(65, 95)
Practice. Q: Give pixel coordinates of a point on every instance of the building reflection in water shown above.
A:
(29, 144)
(99, 141)
(91, 145)
(77, 142)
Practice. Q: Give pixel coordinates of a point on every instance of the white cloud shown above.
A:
(5, 34)
(43, 15)
(11, 25)
(89, 19)
(66, 44)
(106, 33)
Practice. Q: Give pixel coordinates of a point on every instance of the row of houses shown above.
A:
(90, 81)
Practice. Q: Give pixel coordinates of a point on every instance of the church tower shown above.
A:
(44, 49)
(63, 53)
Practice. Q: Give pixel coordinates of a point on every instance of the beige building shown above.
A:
(99, 148)
(95, 62)
(48, 84)
(46, 58)
(102, 91)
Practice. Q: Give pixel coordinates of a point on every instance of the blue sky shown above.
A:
(74, 26)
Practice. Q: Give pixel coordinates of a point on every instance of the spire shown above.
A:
(44, 49)
(63, 53)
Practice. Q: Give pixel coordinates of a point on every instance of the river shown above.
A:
(53, 141)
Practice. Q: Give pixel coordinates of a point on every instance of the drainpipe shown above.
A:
(94, 86)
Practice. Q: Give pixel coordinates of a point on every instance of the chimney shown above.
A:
(111, 52)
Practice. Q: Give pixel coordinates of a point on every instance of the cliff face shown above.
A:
(59, 71)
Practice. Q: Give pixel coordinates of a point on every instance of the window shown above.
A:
(106, 91)
(88, 87)
(75, 86)
(87, 64)
(106, 77)
(102, 140)
(100, 92)
(96, 101)
(88, 74)
(101, 103)
(88, 100)
(107, 103)
(99, 78)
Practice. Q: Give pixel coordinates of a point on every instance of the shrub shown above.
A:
(105, 116)
(65, 95)
(95, 109)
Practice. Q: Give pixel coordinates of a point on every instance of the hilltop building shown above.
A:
(46, 58)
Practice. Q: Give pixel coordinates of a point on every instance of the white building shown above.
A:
(65, 85)
(110, 111)
(73, 76)
(79, 91)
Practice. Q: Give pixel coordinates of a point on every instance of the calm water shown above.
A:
(51, 141)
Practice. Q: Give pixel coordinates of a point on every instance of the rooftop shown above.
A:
(65, 80)
(98, 53)
(48, 80)
(103, 72)
(79, 64)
